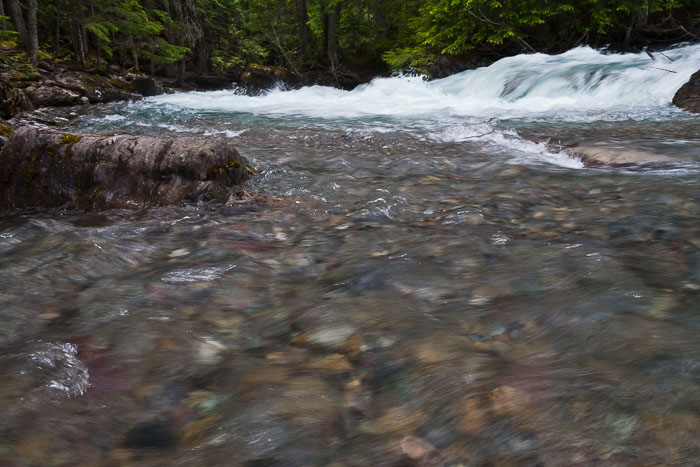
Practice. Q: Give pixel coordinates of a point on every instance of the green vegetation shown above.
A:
(176, 37)
(68, 138)
(6, 130)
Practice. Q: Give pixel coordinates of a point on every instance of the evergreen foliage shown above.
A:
(228, 35)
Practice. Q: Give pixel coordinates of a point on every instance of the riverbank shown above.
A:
(24, 88)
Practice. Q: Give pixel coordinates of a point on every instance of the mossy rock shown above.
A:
(44, 167)
(68, 138)
(6, 130)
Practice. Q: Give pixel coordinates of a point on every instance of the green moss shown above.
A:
(6, 130)
(70, 139)
(216, 170)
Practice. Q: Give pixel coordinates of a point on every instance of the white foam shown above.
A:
(68, 375)
(177, 128)
(111, 118)
(197, 274)
(581, 83)
(226, 133)
(521, 151)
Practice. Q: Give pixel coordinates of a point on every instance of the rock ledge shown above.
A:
(48, 168)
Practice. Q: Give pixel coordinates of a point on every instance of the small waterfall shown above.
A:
(490, 109)
(581, 83)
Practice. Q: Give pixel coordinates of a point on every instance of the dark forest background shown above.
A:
(175, 38)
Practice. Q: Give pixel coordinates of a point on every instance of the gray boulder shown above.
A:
(147, 87)
(688, 96)
(48, 168)
(43, 96)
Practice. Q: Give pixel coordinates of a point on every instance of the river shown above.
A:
(425, 283)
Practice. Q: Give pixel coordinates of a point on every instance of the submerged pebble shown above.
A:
(444, 292)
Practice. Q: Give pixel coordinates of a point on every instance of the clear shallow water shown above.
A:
(427, 278)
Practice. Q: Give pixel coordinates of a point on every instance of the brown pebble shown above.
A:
(473, 417)
(420, 451)
(333, 364)
(353, 345)
(416, 448)
(195, 430)
(508, 400)
(49, 316)
(395, 420)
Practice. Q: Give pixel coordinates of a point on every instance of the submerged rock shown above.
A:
(593, 155)
(157, 433)
(611, 156)
(263, 76)
(47, 168)
(147, 87)
(688, 96)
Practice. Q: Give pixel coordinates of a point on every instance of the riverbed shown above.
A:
(422, 280)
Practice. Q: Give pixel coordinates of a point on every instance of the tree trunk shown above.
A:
(32, 33)
(16, 14)
(80, 43)
(57, 32)
(134, 57)
(181, 71)
(189, 28)
(332, 44)
(79, 7)
(324, 25)
(379, 19)
(3, 24)
(639, 19)
(77, 41)
(170, 70)
(97, 43)
(303, 30)
(84, 38)
(201, 57)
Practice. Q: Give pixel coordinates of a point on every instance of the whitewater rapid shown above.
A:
(582, 83)
(487, 107)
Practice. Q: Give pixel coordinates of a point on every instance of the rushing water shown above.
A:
(425, 284)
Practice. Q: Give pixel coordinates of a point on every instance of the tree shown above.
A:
(3, 23)
(32, 33)
(303, 30)
(15, 10)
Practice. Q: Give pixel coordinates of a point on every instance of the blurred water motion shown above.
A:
(401, 301)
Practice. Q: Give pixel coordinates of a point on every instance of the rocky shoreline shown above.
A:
(24, 88)
(27, 89)
(44, 167)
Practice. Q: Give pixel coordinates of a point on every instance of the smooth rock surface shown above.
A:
(603, 155)
(47, 168)
(688, 96)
